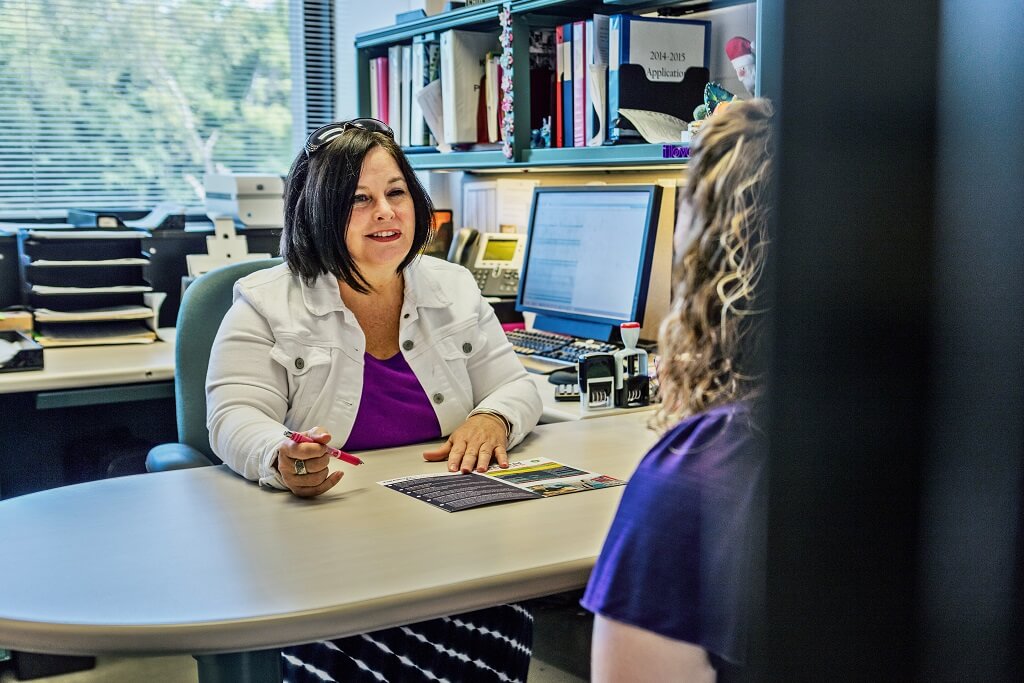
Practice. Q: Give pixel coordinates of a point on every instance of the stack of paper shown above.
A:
(89, 333)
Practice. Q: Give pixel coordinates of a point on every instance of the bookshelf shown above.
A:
(527, 15)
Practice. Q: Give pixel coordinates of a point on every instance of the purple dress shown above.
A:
(684, 557)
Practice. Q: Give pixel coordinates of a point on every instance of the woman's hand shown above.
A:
(473, 444)
(311, 477)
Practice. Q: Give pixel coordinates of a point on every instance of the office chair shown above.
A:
(203, 306)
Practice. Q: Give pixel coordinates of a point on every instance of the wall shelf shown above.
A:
(608, 156)
(526, 15)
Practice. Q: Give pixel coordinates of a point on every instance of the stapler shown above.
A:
(632, 384)
(597, 381)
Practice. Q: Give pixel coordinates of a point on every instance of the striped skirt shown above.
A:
(493, 644)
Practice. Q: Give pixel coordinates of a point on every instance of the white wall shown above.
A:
(354, 17)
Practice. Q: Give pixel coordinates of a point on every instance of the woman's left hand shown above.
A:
(473, 445)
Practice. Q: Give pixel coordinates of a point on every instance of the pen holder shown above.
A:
(596, 373)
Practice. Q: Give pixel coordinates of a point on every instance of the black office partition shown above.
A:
(10, 288)
(850, 360)
(971, 545)
(895, 404)
(168, 250)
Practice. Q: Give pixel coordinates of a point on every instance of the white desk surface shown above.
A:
(201, 561)
(76, 367)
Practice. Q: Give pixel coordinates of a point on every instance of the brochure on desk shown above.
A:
(522, 480)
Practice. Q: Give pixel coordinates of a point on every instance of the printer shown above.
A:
(256, 201)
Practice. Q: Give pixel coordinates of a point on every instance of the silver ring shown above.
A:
(300, 466)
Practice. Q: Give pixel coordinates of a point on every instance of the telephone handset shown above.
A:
(494, 259)
(463, 249)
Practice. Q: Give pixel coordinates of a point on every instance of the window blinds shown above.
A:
(127, 103)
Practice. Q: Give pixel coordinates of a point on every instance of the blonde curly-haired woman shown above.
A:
(682, 569)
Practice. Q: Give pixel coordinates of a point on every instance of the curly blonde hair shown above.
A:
(709, 340)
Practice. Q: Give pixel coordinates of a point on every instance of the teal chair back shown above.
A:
(203, 306)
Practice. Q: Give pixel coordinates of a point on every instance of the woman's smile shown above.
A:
(386, 235)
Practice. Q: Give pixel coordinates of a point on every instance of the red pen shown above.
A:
(336, 452)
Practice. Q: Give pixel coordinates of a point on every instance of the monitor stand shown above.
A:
(605, 332)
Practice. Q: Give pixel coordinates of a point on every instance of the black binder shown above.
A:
(636, 91)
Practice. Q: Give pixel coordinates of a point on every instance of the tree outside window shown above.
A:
(128, 103)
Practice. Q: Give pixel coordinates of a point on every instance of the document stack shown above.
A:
(88, 287)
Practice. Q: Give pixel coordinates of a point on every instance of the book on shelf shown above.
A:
(406, 89)
(433, 75)
(557, 126)
(654, 65)
(567, 86)
(374, 93)
(395, 90)
(383, 89)
(597, 65)
(462, 76)
(579, 83)
(424, 71)
(492, 84)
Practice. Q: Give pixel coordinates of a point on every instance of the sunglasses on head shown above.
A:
(324, 134)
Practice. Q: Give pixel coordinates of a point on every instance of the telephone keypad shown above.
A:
(497, 281)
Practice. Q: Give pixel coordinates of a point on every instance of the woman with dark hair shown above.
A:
(681, 574)
(359, 341)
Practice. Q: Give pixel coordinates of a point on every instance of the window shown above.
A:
(128, 103)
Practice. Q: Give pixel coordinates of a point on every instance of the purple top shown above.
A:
(393, 410)
(684, 557)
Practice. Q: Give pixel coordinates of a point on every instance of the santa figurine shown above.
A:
(741, 53)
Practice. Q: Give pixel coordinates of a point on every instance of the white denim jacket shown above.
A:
(291, 356)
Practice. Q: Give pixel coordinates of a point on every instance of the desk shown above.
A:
(65, 409)
(200, 561)
(68, 402)
(78, 367)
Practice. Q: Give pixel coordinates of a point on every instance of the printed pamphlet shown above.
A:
(522, 480)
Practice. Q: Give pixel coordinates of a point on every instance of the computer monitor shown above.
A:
(588, 258)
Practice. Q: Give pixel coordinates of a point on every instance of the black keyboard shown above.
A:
(547, 351)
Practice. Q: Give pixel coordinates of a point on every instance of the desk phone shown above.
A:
(494, 259)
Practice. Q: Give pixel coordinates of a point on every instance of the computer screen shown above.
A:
(588, 257)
